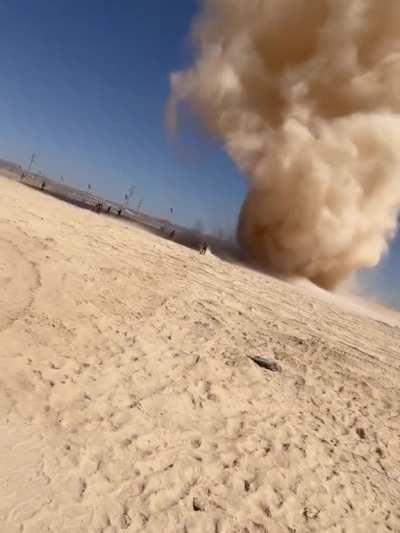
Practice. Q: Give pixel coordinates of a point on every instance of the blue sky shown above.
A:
(84, 85)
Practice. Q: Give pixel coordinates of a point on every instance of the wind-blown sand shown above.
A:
(127, 402)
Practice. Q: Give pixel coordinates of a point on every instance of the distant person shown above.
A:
(42, 187)
(119, 212)
(172, 234)
(108, 209)
(98, 207)
(203, 248)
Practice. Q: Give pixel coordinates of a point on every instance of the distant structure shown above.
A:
(198, 226)
(129, 195)
(33, 157)
(23, 175)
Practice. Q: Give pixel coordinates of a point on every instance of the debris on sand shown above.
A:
(265, 362)
(361, 433)
(198, 505)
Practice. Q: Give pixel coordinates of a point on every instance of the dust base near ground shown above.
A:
(128, 401)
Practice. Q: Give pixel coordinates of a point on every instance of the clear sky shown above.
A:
(84, 85)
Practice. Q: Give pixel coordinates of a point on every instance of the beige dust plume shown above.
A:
(305, 97)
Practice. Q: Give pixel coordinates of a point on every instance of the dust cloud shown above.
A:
(304, 95)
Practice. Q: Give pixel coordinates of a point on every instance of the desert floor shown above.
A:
(128, 402)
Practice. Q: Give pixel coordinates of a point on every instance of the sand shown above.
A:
(128, 402)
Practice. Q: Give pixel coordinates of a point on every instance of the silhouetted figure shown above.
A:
(43, 185)
(98, 207)
(119, 212)
(203, 248)
(172, 234)
(108, 209)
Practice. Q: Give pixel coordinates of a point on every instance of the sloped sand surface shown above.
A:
(128, 402)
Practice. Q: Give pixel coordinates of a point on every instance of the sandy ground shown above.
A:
(128, 403)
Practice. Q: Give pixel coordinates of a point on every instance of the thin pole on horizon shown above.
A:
(129, 195)
(170, 217)
(33, 157)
